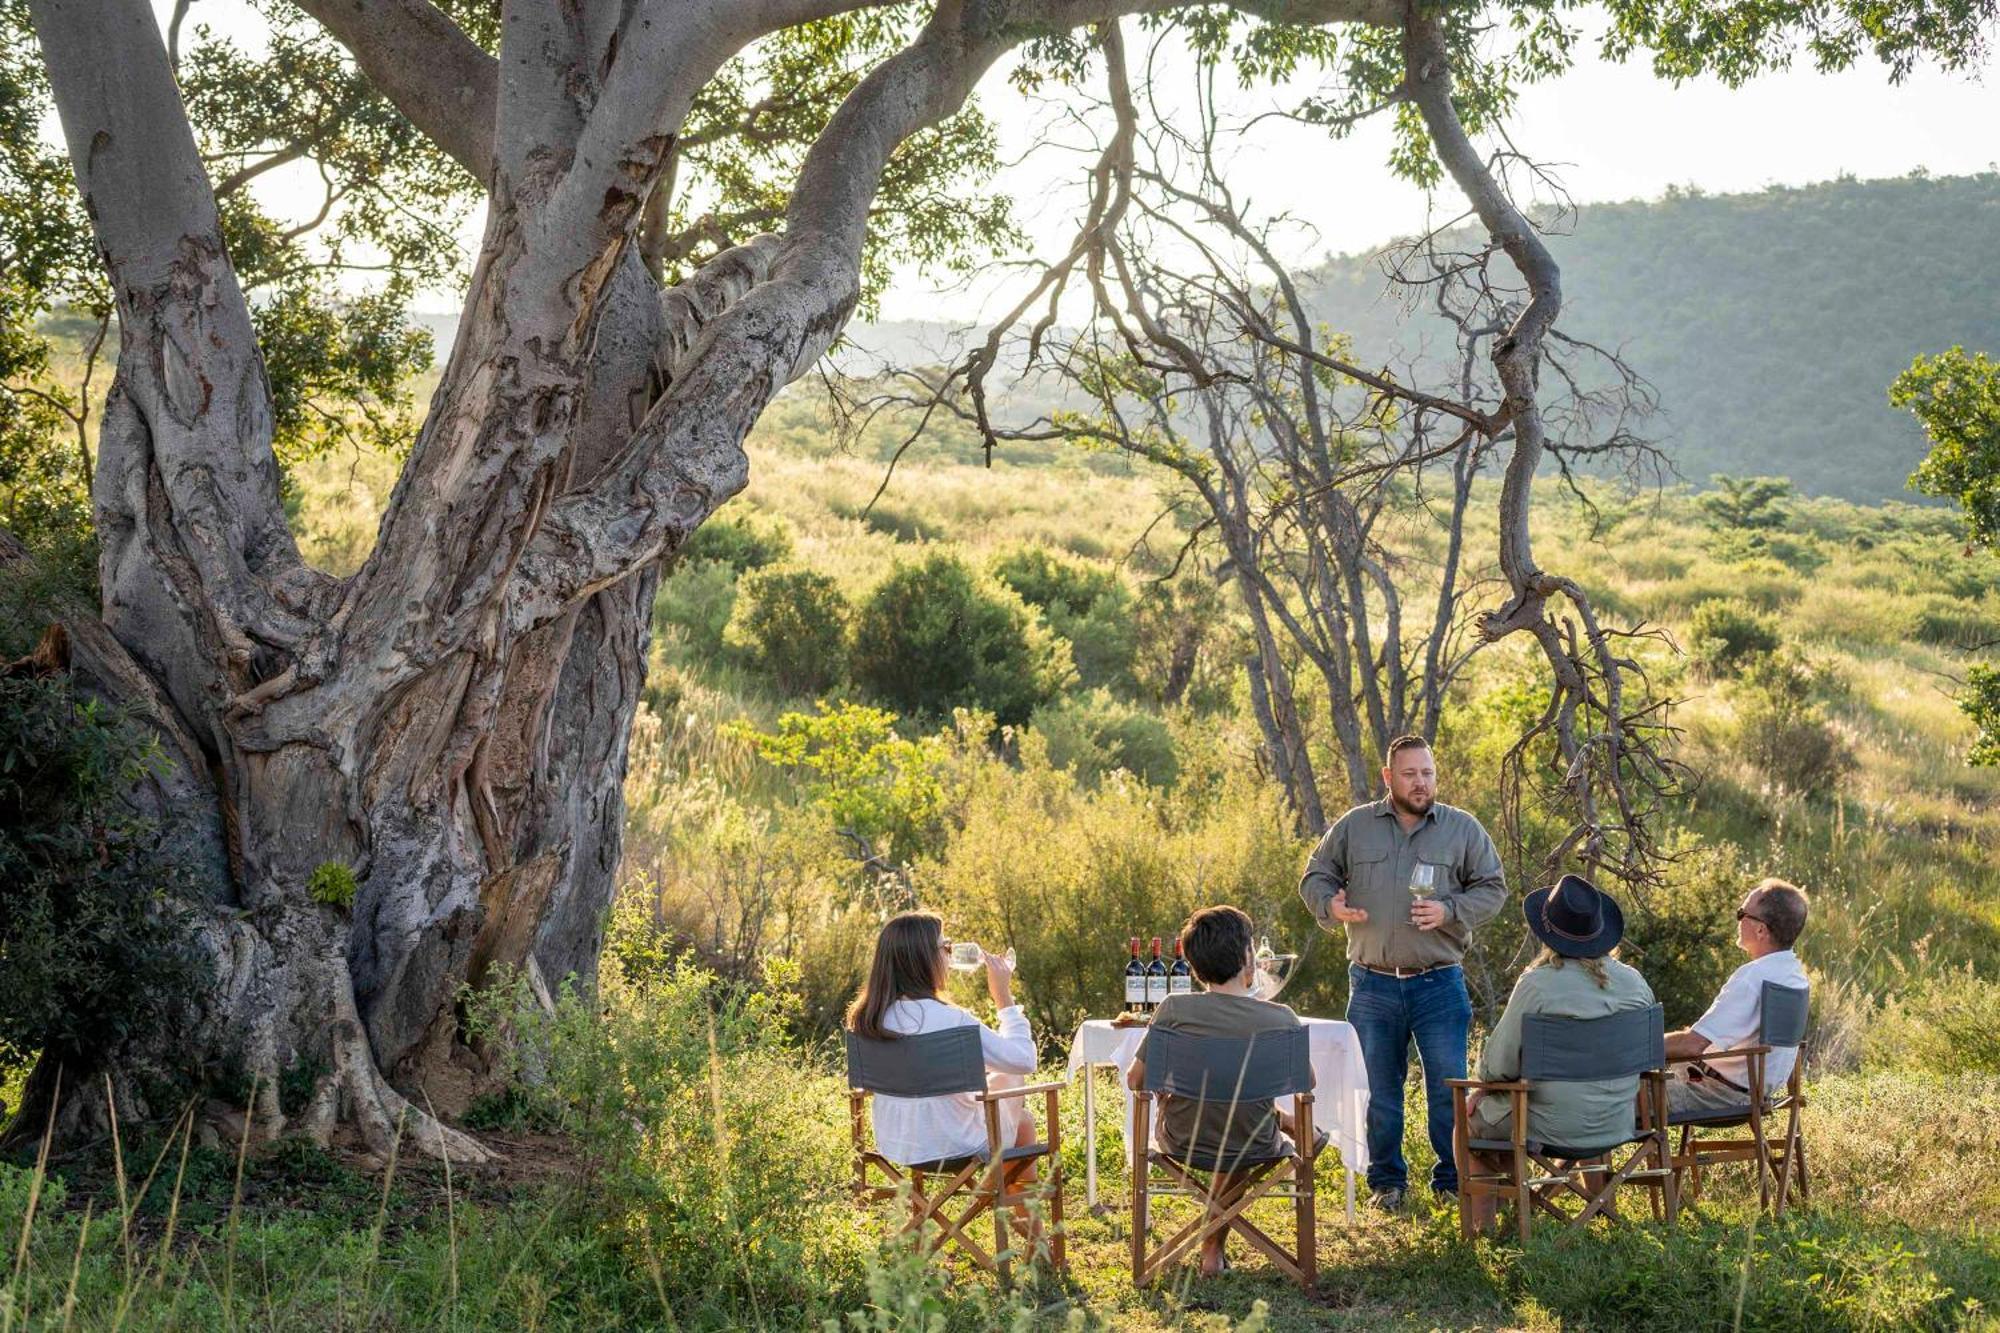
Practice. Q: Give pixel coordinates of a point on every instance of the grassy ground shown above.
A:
(1900, 1235)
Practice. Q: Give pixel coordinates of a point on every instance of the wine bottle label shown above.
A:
(1135, 990)
(1156, 988)
(1181, 984)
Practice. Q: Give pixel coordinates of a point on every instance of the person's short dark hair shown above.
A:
(1782, 905)
(1407, 741)
(1214, 941)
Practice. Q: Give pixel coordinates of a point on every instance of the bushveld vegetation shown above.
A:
(676, 1143)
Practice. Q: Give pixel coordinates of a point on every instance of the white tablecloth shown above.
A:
(1340, 1079)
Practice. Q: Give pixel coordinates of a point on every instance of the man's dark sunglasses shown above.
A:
(1741, 913)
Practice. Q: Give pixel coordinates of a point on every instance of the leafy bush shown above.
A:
(1953, 623)
(1725, 635)
(1095, 734)
(716, 1152)
(1085, 603)
(92, 940)
(1682, 934)
(1782, 729)
(1944, 1025)
(935, 636)
(742, 542)
(697, 600)
(850, 763)
(791, 624)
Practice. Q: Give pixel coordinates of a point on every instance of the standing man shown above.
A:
(1404, 949)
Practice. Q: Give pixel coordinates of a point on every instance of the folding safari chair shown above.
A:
(1225, 1071)
(936, 1064)
(1781, 1022)
(1539, 1177)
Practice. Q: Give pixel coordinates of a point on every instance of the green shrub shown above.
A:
(1095, 734)
(744, 542)
(1782, 730)
(935, 636)
(1682, 934)
(331, 885)
(791, 625)
(697, 599)
(1952, 623)
(94, 944)
(716, 1151)
(870, 783)
(1087, 604)
(1945, 1025)
(1725, 635)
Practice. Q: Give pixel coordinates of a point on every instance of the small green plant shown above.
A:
(1726, 635)
(331, 885)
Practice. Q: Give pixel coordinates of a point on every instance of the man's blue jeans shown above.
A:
(1386, 1013)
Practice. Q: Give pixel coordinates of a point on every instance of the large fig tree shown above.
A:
(447, 725)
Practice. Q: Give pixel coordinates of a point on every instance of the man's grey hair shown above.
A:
(1782, 904)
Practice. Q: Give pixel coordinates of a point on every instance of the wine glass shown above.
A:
(1423, 880)
(967, 956)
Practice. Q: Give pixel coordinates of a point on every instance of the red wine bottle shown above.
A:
(1180, 977)
(1135, 981)
(1156, 978)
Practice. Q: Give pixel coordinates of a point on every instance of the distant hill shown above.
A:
(1770, 323)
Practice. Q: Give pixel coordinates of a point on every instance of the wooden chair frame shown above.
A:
(984, 1186)
(1535, 1180)
(1287, 1177)
(1778, 1165)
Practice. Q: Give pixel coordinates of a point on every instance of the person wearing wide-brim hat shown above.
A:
(1574, 976)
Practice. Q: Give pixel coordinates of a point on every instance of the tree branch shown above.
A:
(425, 64)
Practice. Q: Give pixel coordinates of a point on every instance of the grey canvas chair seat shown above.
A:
(1718, 1117)
(1015, 1154)
(1203, 1161)
(1556, 1151)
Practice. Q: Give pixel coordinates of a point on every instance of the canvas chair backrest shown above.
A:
(1781, 1015)
(1580, 1050)
(1260, 1067)
(929, 1064)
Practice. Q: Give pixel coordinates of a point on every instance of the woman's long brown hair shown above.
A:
(905, 968)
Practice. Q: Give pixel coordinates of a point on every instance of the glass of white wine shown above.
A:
(967, 956)
(1423, 881)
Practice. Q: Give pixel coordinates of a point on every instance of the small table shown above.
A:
(1340, 1088)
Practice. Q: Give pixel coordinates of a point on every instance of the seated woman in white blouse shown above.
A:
(912, 960)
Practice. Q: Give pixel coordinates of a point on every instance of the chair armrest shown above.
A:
(1516, 1085)
(1002, 1094)
(1720, 1055)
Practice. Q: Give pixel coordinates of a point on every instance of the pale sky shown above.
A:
(1614, 132)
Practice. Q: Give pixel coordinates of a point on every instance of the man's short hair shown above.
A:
(1214, 941)
(1407, 741)
(1782, 905)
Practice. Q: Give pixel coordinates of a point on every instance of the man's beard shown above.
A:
(1399, 804)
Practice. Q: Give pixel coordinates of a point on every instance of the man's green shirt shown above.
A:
(1367, 853)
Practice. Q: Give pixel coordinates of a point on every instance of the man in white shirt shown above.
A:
(1772, 918)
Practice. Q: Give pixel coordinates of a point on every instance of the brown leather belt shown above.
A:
(1404, 973)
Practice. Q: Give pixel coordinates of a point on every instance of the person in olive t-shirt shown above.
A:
(1403, 952)
(1216, 943)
